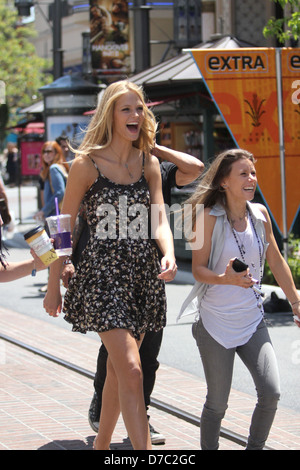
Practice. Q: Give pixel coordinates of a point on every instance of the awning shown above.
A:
(182, 68)
(28, 127)
(152, 104)
(176, 70)
(37, 107)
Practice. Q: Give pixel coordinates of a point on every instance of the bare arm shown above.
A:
(280, 268)
(189, 168)
(17, 270)
(159, 223)
(80, 178)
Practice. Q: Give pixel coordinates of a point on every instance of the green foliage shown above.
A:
(293, 262)
(20, 67)
(287, 27)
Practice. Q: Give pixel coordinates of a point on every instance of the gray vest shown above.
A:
(191, 304)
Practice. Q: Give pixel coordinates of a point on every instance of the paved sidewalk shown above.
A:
(44, 406)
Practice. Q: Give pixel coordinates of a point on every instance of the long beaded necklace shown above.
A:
(241, 245)
(242, 251)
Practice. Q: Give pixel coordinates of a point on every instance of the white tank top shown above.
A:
(230, 313)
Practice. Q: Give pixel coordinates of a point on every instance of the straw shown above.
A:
(56, 206)
(57, 213)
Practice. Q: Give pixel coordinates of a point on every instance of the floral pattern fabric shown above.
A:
(115, 284)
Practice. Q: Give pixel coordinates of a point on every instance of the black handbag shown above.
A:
(6, 217)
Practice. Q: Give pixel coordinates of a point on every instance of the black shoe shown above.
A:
(156, 437)
(94, 412)
(274, 304)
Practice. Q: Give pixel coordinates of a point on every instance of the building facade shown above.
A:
(243, 19)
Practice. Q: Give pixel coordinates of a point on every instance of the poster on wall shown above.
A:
(109, 37)
(31, 158)
(70, 127)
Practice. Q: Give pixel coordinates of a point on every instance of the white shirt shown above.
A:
(230, 313)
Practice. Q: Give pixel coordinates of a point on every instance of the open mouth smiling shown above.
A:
(249, 188)
(133, 126)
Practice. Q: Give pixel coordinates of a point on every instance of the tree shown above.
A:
(288, 27)
(20, 67)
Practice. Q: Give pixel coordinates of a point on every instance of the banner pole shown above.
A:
(281, 151)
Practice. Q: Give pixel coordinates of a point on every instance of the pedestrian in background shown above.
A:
(11, 154)
(54, 175)
(229, 308)
(16, 270)
(64, 143)
(118, 289)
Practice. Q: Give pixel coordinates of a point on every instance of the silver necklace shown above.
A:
(130, 174)
(125, 164)
(240, 218)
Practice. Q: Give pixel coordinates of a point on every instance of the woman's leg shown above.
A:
(110, 414)
(123, 390)
(218, 366)
(259, 357)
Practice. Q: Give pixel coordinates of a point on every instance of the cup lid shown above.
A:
(60, 216)
(33, 232)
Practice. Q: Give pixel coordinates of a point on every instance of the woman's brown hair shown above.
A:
(209, 190)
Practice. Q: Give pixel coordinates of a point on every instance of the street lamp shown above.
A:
(56, 36)
(23, 7)
(57, 10)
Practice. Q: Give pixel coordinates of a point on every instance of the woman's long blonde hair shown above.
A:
(209, 190)
(99, 132)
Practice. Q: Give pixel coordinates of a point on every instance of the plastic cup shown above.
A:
(60, 231)
(39, 241)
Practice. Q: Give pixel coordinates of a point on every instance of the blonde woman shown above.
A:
(118, 287)
(228, 303)
(53, 175)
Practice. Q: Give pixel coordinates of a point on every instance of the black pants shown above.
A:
(149, 351)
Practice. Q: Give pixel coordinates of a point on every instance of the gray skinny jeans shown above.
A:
(259, 357)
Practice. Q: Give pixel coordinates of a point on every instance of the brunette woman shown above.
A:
(228, 303)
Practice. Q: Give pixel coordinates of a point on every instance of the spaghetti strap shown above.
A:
(95, 165)
(102, 176)
(143, 164)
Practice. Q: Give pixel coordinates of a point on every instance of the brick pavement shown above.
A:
(43, 406)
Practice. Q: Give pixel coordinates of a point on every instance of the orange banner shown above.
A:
(243, 84)
(291, 118)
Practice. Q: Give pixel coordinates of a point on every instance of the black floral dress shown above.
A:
(115, 284)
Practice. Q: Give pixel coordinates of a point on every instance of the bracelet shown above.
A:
(67, 261)
(298, 302)
(33, 272)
